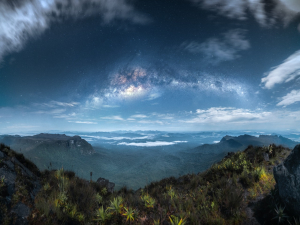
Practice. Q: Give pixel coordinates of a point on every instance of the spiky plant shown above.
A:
(98, 198)
(102, 215)
(176, 220)
(130, 214)
(280, 215)
(116, 205)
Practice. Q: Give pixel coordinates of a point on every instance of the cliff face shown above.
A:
(19, 184)
(48, 142)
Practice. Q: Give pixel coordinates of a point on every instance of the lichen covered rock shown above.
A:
(287, 176)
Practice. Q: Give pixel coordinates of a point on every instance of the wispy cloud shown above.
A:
(139, 116)
(53, 111)
(285, 72)
(83, 122)
(151, 122)
(282, 10)
(290, 98)
(111, 106)
(53, 104)
(227, 114)
(22, 20)
(217, 50)
(236, 9)
(119, 118)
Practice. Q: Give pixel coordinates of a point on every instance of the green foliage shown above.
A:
(258, 173)
(280, 214)
(46, 187)
(130, 214)
(102, 215)
(116, 205)
(171, 193)
(215, 196)
(176, 220)
(148, 200)
(104, 191)
(98, 198)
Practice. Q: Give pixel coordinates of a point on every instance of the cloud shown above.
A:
(283, 10)
(22, 20)
(53, 104)
(287, 10)
(111, 106)
(285, 72)
(139, 116)
(290, 98)
(151, 122)
(121, 138)
(53, 111)
(83, 122)
(119, 118)
(151, 144)
(227, 115)
(216, 50)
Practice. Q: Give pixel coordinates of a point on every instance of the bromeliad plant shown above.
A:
(102, 215)
(171, 193)
(130, 214)
(148, 200)
(176, 220)
(116, 205)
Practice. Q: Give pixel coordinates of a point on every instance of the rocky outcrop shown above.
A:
(105, 183)
(18, 188)
(287, 176)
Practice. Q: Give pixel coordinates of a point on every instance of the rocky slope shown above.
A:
(20, 182)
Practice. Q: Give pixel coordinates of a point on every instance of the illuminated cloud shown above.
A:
(285, 72)
(290, 98)
(22, 20)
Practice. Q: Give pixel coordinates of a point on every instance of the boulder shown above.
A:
(287, 176)
(105, 183)
(266, 157)
(22, 212)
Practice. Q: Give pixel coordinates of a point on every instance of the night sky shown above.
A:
(173, 65)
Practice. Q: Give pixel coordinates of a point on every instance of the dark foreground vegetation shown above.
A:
(238, 190)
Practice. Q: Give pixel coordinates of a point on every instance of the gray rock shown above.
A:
(9, 164)
(266, 157)
(105, 183)
(102, 181)
(110, 187)
(287, 176)
(9, 179)
(22, 211)
(2, 154)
